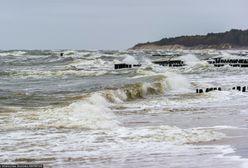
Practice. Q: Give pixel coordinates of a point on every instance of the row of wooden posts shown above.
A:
(229, 61)
(121, 66)
(217, 62)
(239, 88)
(170, 63)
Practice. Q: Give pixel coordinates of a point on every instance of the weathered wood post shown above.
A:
(244, 89)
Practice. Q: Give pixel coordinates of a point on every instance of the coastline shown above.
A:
(181, 47)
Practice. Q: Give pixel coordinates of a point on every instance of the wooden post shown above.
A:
(244, 89)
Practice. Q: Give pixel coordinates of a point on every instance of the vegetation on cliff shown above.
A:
(233, 38)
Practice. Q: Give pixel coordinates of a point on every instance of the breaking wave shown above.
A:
(93, 112)
(56, 73)
(135, 91)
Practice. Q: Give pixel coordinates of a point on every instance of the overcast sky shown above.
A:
(112, 24)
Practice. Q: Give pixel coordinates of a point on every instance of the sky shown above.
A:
(112, 24)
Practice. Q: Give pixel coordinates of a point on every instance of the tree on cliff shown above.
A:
(234, 37)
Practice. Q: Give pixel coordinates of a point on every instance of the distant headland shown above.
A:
(233, 39)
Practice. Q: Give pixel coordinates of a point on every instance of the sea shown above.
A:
(76, 110)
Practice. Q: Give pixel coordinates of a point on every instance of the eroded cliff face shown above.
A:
(174, 47)
(228, 40)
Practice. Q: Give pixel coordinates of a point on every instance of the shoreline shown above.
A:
(236, 138)
(180, 47)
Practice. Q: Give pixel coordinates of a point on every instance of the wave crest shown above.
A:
(136, 90)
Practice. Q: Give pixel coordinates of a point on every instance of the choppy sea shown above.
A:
(75, 110)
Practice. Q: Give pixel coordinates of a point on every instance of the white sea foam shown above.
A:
(130, 60)
(173, 81)
(228, 153)
(190, 59)
(177, 82)
(12, 53)
(220, 127)
(90, 113)
(37, 74)
(173, 135)
(136, 90)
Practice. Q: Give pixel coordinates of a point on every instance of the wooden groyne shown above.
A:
(238, 88)
(170, 63)
(123, 65)
(208, 90)
(166, 55)
(219, 62)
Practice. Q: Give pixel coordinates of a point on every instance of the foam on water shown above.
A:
(92, 113)
(37, 74)
(177, 82)
(136, 90)
(173, 80)
(167, 81)
(190, 59)
(13, 53)
(130, 60)
(168, 134)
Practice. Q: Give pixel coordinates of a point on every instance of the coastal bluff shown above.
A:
(233, 39)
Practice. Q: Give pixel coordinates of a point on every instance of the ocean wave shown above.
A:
(93, 110)
(91, 113)
(174, 81)
(38, 61)
(24, 74)
(12, 53)
(136, 90)
(94, 113)
(40, 52)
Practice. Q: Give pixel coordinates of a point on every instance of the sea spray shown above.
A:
(177, 82)
(130, 60)
(189, 59)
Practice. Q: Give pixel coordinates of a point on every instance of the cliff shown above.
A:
(230, 39)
